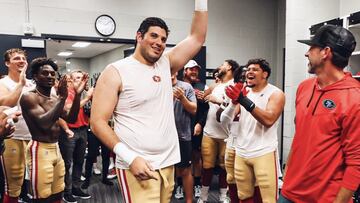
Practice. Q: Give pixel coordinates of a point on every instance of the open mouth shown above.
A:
(250, 77)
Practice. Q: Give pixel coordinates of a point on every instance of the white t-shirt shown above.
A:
(21, 129)
(144, 115)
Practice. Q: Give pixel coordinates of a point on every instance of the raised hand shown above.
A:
(80, 86)
(178, 92)
(142, 169)
(199, 94)
(62, 88)
(90, 93)
(234, 91)
(22, 76)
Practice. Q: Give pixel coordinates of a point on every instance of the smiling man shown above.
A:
(41, 113)
(324, 161)
(256, 149)
(137, 91)
(12, 87)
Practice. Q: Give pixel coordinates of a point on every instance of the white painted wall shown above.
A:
(77, 64)
(238, 29)
(349, 6)
(99, 62)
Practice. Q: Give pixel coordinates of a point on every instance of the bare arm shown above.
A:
(43, 119)
(190, 46)
(344, 195)
(87, 98)
(66, 128)
(103, 105)
(189, 106)
(273, 110)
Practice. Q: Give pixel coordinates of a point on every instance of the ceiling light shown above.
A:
(81, 44)
(68, 62)
(65, 53)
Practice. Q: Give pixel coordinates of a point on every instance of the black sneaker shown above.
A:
(86, 184)
(24, 199)
(107, 182)
(77, 192)
(69, 198)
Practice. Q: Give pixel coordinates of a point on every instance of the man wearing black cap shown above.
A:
(324, 161)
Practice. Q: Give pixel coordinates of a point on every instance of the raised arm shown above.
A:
(10, 98)
(190, 46)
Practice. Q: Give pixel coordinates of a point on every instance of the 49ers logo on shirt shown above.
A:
(156, 78)
(329, 104)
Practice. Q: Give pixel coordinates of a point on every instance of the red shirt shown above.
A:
(82, 119)
(326, 147)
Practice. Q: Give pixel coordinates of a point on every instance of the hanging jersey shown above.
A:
(144, 115)
(255, 139)
(21, 129)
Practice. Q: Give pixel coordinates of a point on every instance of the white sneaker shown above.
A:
(112, 174)
(197, 191)
(200, 201)
(179, 193)
(225, 200)
(82, 178)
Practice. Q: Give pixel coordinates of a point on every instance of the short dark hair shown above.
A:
(39, 62)
(152, 21)
(234, 65)
(9, 52)
(264, 65)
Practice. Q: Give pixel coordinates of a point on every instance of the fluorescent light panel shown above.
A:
(65, 53)
(81, 44)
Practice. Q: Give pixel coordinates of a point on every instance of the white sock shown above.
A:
(111, 165)
(223, 192)
(204, 193)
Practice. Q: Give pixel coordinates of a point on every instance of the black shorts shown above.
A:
(185, 153)
(196, 142)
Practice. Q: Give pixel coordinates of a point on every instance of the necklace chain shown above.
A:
(42, 94)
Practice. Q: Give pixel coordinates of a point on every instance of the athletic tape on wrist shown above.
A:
(201, 5)
(124, 153)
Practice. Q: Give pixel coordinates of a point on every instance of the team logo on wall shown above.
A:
(329, 104)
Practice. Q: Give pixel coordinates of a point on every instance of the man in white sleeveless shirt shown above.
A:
(11, 88)
(256, 149)
(137, 92)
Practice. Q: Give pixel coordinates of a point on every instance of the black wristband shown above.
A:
(246, 103)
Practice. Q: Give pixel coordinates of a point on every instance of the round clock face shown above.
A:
(105, 25)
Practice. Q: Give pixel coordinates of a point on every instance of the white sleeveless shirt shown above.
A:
(144, 115)
(21, 129)
(254, 139)
(213, 128)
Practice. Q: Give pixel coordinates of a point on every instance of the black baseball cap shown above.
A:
(339, 39)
